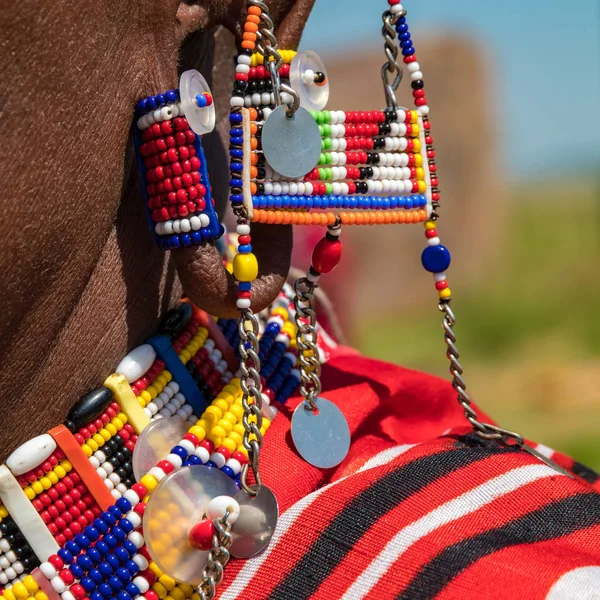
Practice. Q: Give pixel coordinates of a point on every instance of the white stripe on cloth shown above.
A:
(545, 451)
(287, 519)
(450, 511)
(582, 583)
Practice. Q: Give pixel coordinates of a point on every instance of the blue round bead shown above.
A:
(119, 533)
(94, 555)
(210, 463)
(130, 547)
(89, 585)
(122, 595)
(192, 460)
(186, 240)
(409, 202)
(92, 533)
(121, 554)
(201, 100)
(228, 471)
(436, 259)
(123, 574)
(171, 96)
(65, 555)
(245, 248)
(124, 505)
(85, 562)
(105, 570)
(102, 547)
(160, 98)
(72, 547)
(77, 571)
(111, 540)
(108, 518)
(206, 232)
(132, 589)
(408, 51)
(132, 567)
(246, 286)
(105, 590)
(196, 237)
(113, 561)
(236, 153)
(235, 118)
(82, 541)
(235, 132)
(115, 583)
(101, 525)
(151, 103)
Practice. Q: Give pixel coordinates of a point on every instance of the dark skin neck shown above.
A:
(83, 282)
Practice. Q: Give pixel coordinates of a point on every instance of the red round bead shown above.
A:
(57, 562)
(241, 458)
(67, 576)
(326, 255)
(208, 445)
(441, 285)
(201, 535)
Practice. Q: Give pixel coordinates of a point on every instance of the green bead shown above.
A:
(322, 174)
(327, 130)
(322, 130)
(329, 171)
(328, 189)
(327, 116)
(328, 158)
(313, 114)
(327, 143)
(322, 159)
(320, 118)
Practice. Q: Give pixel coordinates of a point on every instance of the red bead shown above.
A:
(151, 595)
(244, 239)
(267, 391)
(208, 445)
(57, 562)
(149, 576)
(201, 535)
(140, 490)
(441, 285)
(241, 458)
(421, 101)
(222, 450)
(66, 576)
(431, 233)
(78, 591)
(326, 255)
(140, 508)
(166, 466)
(60, 538)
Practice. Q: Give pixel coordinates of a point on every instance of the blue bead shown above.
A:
(89, 585)
(236, 183)
(409, 203)
(82, 541)
(72, 547)
(238, 198)
(140, 106)
(228, 471)
(404, 36)
(245, 248)
(94, 555)
(115, 583)
(123, 574)
(403, 28)
(186, 240)
(235, 118)
(77, 571)
(408, 51)
(246, 286)
(111, 540)
(236, 153)
(171, 96)
(123, 596)
(401, 21)
(236, 132)
(65, 555)
(192, 459)
(436, 259)
(97, 576)
(105, 590)
(124, 505)
(101, 525)
(108, 518)
(121, 554)
(196, 237)
(115, 511)
(113, 561)
(105, 569)
(151, 103)
(175, 243)
(119, 534)
(236, 167)
(102, 547)
(92, 533)
(132, 589)
(206, 233)
(210, 463)
(160, 98)
(85, 562)
(126, 525)
(201, 100)
(237, 141)
(130, 547)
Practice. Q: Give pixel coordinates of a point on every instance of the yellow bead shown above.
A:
(145, 396)
(3, 512)
(198, 431)
(185, 356)
(280, 312)
(53, 477)
(422, 187)
(245, 267)
(214, 413)
(30, 493)
(206, 424)
(414, 117)
(37, 487)
(31, 584)
(155, 569)
(99, 439)
(430, 225)
(222, 404)
(417, 146)
(237, 410)
(45, 481)
(195, 596)
(229, 416)
(40, 595)
(418, 160)
(141, 402)
(243, 450)
(66, 465)
(416, 130)
(160, 589)
(445, 293)
(239, 429)
(289, 329)
(420, 173)
(266, 422)
(215, 439)
(161, 378)
(167, 375)
(235, 437)
(119, 423)
(152, 391)
(233, 387)
(111, 429)
(218, 431)
(229, 444)
(167, 581)
(226, 425)
(92, 444)
(122, 417)
(177, 593)
(9, 594)
(105, 434)
(19, 590)
(227, 397)
(187, 589)
(149, 482)
(87, 450)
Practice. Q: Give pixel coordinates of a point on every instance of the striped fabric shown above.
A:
(421, 508)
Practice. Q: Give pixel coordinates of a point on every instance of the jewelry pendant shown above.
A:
(321, 435)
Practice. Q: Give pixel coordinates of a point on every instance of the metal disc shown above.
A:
(322, 437)
(201, 120)
(291, 146)
(174, 507)
(255, 526)
(155, 443)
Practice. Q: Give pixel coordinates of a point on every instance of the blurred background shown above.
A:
(515, 98)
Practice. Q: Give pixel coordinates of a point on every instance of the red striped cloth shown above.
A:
(420, 508)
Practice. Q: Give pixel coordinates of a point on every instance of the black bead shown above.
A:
(252, 87)
(260, 115)
(362, 172)
(260, 85)
(246, 51)
(369, 171)
(121, 473)
(319, 77)
(90, 406)
(417, 85)
(114, 461)
(238, 93)
(240, 85)
(260, 188)
(120, 457)
(176, 320)
(260, 173)
(112, 444)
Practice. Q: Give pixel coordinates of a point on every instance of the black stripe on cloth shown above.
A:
(585, 472)
(367, 507)
(552, 521)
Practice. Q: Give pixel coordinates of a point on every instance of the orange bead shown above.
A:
(253, 188)
(360, 218)
(409, 217)
(250, 26)
(380, 218)
(260, 216)
(301, 217)
(253, 143)
(330, 218)
(254, 10)
(287, 218)
(324, 219)
(278, 217)
(401, 217)
(253, 172)
(423, 214)
(270, 218)
(249, 36)
(253, 158)
(248, 45)
(253, 128)
(253, 19)
(253, 114)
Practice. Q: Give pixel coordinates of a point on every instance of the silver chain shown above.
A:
(268, 47)
(306, 340)
(251, 398)
(218, 557)
(485, 431)
(391, 66)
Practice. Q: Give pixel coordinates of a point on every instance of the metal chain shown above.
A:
(251, 398)
(218, 557)
(391, 66)
(485, 431)
(268, 47)
(306, 340)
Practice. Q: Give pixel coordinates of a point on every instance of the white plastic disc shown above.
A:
(174, 507)
(201, 120)
(155, 442)
(305, 67)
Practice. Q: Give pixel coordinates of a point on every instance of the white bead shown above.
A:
(48, 570)
(177, 225)
(243, 229)
(4, 545)
(173, 386)
(175, 460)
(157, 473)
(121, 488)
(136, 538)
(186, 225)
(94, 462)
(218, 506)
(205, 220)
(256, 99)
(142, 584)
(243, 303)
(188, 446)
(234, 465)
(168, 227)
(133, 498)
(413, 67)
(137, 362)
(311, 277)
(4, 562)
(244, 59)
(108, 467)
(18, 567)
(114, 478)
(147, 412)
(11, 556)
(437, 277)
(31, 454)
(11, 573)
(58, 585)
(396, 9)
(152, 408)
(242, 68)
(140, 561)
(67, 595)
(282, 338)
(218, 459)
(176, 110)
(265, 399)
(202, 453)
(116, 494)
(102, 472)
(266, 98)
(109, 484)
(166, 113)
(416, 75)
(195, 223)
(270, 412)
(3, 578)
(423, 110)
(236, 101)
(434, 241)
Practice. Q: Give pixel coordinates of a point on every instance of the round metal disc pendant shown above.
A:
(291, 146)
(322, 437)
(155, 442)
(174, 507)
(255, 526)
